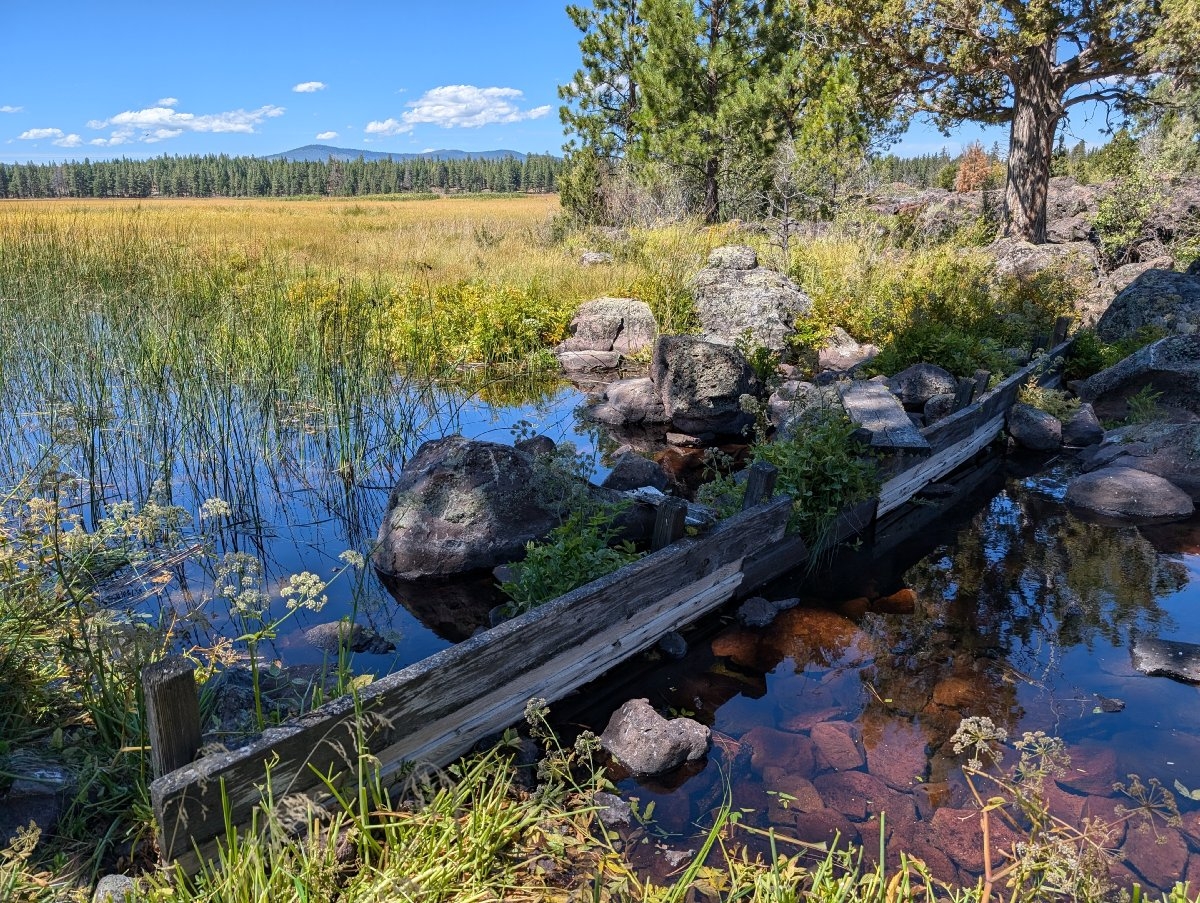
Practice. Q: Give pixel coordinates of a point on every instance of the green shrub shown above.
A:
(960, 353)
(578, 551)
(819, 467)
(1090, 354)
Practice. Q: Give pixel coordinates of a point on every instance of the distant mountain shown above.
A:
(319, 153)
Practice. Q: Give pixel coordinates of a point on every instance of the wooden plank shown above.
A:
(853, 521)
(441, 689)
(953, 429)
(1061, 325)
(172, 713)
(964, 393)
(898, 490)
(670, 522)
(766, 564)
(873, 407)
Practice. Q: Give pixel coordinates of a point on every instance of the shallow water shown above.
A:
(1019, 612)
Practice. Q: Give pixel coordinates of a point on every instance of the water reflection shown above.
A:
(1023, 614)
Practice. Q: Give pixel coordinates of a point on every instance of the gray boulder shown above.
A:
(630, 402)
(915, 385)
(631, 471)
(463, 505)
(1071, 228)
(791, 398)
(1092, 306)
(1083, 429)
(702, 383)
(1077, 260)
(1162, 298)
(1125, 494)
(733, 257)
(624, 325)
(1170, 366)
(1067, 198)
(1194, 268)
(841, 352)
(38, 794)
(1168, 450)
(333, 635)
(1033, 428)
(938, 408)
(733, 299)
(646, 743)
(595, 258)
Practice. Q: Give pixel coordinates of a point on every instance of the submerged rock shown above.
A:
(631, 471)
(1122, 493)
(630, 402)
(647, 743)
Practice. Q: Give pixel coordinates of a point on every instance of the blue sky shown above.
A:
(143, 79)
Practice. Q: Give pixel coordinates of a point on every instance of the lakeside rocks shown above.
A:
(734, 296)
(1168, 450)
(915, 385)
(647, 744)
(603, 331)
(701, 384)
(1034, 429)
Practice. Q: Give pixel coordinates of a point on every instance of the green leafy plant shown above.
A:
(1144, 407)
(819, 467)
(581, 549)
(1090, 354)
(1054, 402)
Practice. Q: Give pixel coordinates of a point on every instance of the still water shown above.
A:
(1008, 608)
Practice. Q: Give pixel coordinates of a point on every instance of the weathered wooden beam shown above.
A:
(172, 713)
(872, 406)
(439, 707)
(669, 523)
(964, 393)
(898, 490)
(760, 484)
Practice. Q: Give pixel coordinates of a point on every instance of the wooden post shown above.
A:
(963, 394)
(1041, 342)
(172, 713)
(669, 524)
(760, 484)
(982, 378)
(1061, 325)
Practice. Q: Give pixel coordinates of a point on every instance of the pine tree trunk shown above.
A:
(1037, 108)
(712, 198)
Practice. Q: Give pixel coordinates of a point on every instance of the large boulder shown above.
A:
(1162, 298)
(1170, 366)
(1125, 494)
(1092, 306)
(647, 743)
(624, 325)
(463, 505)
(1083, 429)
(702, 383)
(1076, 260)
(734, 296)
(946, 214)
(915, 385)
(791, 398)
(1067, 198)
(1033, 428)
(630, 402)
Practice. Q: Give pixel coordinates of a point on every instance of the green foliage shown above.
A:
(1090, 354)
(581, 549)
(1054, 402)
(581, 188)
(762, 360)
(961, 353)
(819, 467)
(1122, 213)
(1144, 407)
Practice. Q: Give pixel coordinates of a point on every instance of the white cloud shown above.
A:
(71, 140)
(326, 136)
(10, 109)
(459, 106)
(161, 122)
(167, 102)
(309, 87)
(39, 134)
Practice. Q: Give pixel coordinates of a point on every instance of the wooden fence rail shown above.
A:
(437, 709)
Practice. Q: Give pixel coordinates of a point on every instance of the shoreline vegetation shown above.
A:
(141, 332)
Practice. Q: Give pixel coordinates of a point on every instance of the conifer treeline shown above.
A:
(225, 176)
